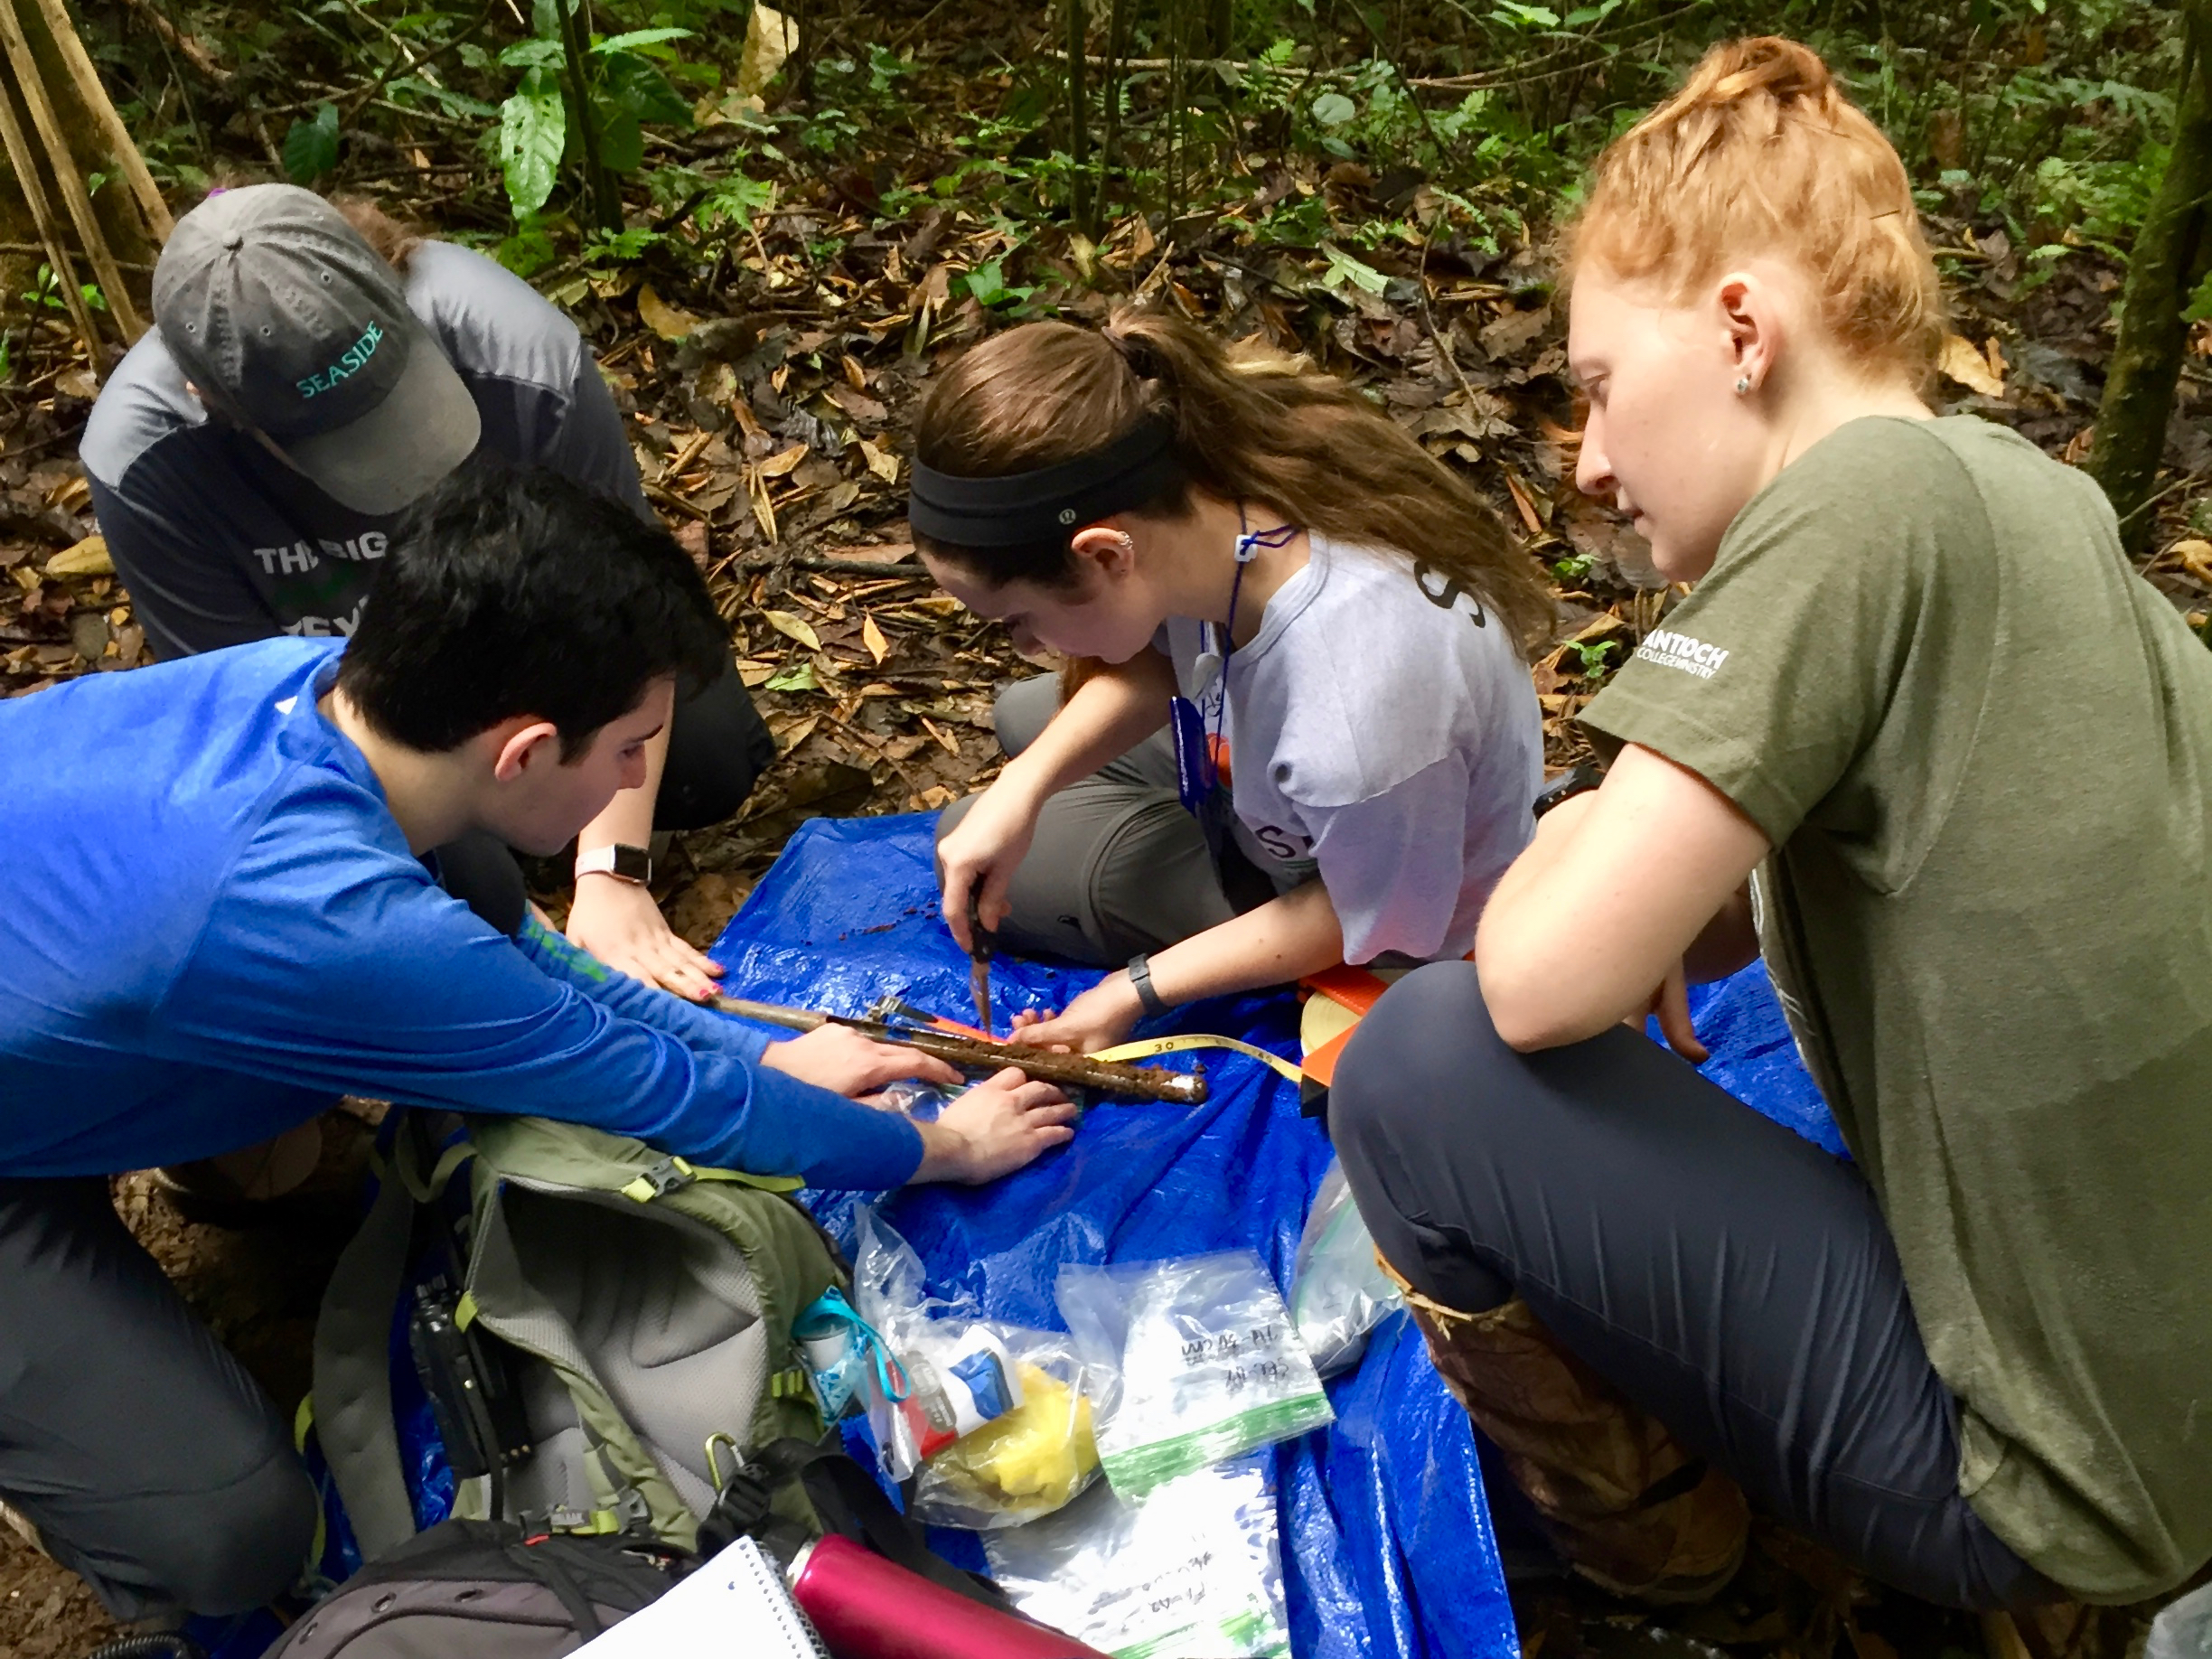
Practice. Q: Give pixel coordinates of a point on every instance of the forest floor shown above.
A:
(768, 397)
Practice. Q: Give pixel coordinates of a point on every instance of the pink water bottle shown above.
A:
(868, 1607)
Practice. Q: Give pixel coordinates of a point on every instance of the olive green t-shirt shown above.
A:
(1981, 747)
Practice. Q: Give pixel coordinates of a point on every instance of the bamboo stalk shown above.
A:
(95, 94)
(1142, 1082)
(67, 177)
(22, 157)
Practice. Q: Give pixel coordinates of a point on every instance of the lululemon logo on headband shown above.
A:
(1067, 515)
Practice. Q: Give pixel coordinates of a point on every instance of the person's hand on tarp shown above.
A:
(1001, 1125)
(839, 1059)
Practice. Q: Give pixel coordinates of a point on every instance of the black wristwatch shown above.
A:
(1575, 781)
(1141, 975)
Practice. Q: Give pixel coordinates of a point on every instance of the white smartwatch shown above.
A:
(630, 864)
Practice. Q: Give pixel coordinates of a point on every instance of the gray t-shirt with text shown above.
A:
(1381, 732)
(219, 542)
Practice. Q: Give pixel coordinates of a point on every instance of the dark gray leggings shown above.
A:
(1117, 866)
(152, 1463)
(1734, 1279)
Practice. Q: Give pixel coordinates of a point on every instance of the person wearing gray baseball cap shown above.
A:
(305, 383)
(287, 322)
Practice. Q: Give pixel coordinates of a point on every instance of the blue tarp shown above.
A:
(1755, 1058)
(1389, 1547)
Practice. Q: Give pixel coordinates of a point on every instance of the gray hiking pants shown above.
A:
(150, 1462)
(1117, 864)
(1733, 1280)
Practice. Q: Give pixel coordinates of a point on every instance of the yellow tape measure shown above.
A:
(1151, 1047)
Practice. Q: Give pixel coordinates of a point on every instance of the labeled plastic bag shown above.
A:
(995, 1419)
(1338, 1291)
(1202, 1360)
(1194, 1571)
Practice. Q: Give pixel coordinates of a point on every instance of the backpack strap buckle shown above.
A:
(554, 1518)
(633, 1515)
(670, 1174)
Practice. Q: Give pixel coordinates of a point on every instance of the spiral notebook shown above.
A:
(736, 1604)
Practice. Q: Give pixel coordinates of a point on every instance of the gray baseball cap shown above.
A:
(287, 321)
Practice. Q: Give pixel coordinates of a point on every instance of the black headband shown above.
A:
(1025, 509)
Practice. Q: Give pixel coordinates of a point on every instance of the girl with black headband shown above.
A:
(1300, 729)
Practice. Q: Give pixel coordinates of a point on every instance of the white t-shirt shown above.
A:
(1382, 732)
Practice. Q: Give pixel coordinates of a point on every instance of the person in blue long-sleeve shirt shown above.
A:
(219, 918)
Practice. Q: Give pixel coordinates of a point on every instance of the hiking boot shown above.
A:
(1630, 1508)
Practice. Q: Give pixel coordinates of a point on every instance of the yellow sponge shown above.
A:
(1033, 1459)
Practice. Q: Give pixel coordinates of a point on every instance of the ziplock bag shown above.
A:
(1194, 1571)
(1203, 1361)
(993, 1418)
(1338, 1291)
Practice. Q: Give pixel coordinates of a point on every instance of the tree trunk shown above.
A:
(1220, 25)
(1078, 117)
(2146, 361)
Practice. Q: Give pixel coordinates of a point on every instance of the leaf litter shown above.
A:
(768, 377)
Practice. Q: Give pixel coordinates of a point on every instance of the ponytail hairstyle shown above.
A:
(395, 240)
(1761, 151)
(1304, 445)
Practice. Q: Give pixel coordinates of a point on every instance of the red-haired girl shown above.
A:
(1920, 734)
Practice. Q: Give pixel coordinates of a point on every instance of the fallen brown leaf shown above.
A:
(670, 322)
(84, 559)
(1963, 362)
(794, 627)
(880, 460)
(2194, 556)
(1526, 506)
(779, 464)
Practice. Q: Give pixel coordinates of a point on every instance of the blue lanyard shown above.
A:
(1196, 739)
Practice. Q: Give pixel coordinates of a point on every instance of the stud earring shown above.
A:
(1743, 384)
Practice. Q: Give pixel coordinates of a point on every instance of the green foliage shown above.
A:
(44, 294)
(529, 247)
(1348, 141)
(987, 283)
(1345, 271)
(533, 136)
(311, 147)
(631, 93)
(1594, 659)
(624, 91)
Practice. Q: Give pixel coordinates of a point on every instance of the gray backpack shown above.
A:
(474, 1589)
(637, 1311)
